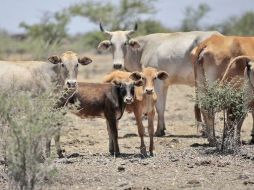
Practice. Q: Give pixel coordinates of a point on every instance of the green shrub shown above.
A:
(229, 100)
(27, 120)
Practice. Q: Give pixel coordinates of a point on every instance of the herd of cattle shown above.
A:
(144, 66)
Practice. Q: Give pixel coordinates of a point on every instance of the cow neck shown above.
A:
(132, 60)
(67, 97)
(56, 79)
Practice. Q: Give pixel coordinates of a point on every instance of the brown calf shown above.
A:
(145, 99)
(103, 100)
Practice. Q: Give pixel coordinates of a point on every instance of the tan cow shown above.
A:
(145, 99)
(211, 60)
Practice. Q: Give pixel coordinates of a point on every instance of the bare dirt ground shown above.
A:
(181, 161)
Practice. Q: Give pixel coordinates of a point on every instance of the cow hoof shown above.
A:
(115, 154)
(160, 133)
(252, 141)
(143, 152)
(60, 153)
(151, 154)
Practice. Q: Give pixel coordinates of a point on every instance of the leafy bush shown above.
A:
(26, 121)
(229, 99)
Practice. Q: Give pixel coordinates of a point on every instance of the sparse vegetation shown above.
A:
(26, 121)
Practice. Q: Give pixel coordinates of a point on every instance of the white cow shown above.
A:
(170, 52)
(38, 76)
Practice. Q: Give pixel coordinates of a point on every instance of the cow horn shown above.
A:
(103, 30)
(248, 58)
(134, 29)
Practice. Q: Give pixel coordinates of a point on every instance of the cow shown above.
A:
(215, 59)
(144, 102)
(248, 62)
(103, 100)
(30, 75)
(165, 51)
(39, 76)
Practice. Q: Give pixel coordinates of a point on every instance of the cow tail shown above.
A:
(231, 63)
(197, 61)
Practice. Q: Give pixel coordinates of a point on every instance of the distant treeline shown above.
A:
(50, 34)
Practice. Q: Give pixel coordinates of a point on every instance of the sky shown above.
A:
(169, 12)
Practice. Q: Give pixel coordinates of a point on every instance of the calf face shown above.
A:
(67, 69)
(148, 76)
(126, 90)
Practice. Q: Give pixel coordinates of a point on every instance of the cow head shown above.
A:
(118, 44)
(67, 67)
(148, 76)
(126, 89)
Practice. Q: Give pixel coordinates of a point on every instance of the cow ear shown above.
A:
(134, 44)
(116, 82)
(162, 75)
(104, 45)
(55, 59)
(84, 60)
(139, 83)
(135, 76)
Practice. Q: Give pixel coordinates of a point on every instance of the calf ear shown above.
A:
(139, 83)
(135, 76)
(162, 75)
(134, 44)
(55, 59)
(116, 82)
(84, 60)
(104, 45)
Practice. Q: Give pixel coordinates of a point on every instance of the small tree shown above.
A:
(114, 16)
(193, 17)
(229, 100)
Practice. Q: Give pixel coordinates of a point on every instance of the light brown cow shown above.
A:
(211, 60)
(145, 99)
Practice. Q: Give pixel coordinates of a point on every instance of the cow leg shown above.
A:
(161, 92)
(141, 130)
(114, 132)
(151, 130)
(238, 131)
(209, 127)
(59, 151)
(111, 147)
(252, 132)
(198, 120)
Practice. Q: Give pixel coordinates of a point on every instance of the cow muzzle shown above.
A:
(149, 91)
(117, 66)
(128, 100)
(71, 84)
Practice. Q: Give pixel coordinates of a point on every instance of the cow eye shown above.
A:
(125, 43)
(62, 65)
(77, 65)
